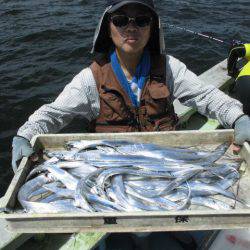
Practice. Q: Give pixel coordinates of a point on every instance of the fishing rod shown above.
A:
(234, 42)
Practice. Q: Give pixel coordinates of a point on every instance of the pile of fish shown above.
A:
(119, 175)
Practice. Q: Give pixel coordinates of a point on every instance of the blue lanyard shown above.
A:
(140, 77)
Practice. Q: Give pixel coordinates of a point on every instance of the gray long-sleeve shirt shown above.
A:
(80, 97)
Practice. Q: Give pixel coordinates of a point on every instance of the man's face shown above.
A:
(130, 38)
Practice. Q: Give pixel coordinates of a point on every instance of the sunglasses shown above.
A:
(123, 20)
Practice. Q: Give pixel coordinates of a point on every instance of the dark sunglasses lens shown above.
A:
(120, 21)
(143, 21)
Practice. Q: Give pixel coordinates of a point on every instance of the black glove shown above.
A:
(21, 147)
(237, 51)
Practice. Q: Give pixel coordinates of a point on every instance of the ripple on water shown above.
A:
(44, 35)
(13, 12)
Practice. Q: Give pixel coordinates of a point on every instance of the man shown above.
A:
(241, 88)
(132, 85)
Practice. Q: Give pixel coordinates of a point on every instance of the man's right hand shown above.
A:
(237, 51)
(21, 147)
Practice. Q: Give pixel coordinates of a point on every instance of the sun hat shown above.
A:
(102, 41)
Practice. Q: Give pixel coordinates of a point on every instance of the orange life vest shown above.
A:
(117, 114)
